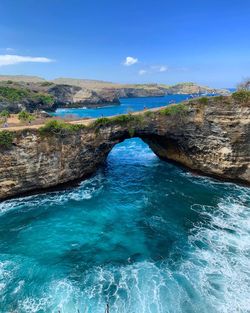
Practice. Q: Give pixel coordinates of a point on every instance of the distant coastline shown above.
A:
(35, 93)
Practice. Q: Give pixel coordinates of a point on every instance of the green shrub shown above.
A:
(203, 100)
(241, 96)
(59, 128)
(13, 94)
(6, 138)
(44, 99)
(177, 109)
(117, 120)
(149, 113)
(122, 119)
(25, 116)
(45, 84)
(219, 98)
(101, 121)
(126, 118)
(5, 114)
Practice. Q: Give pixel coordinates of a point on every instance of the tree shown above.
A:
(4, 115)
(25, 116)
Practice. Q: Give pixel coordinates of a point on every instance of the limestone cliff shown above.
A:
(210, 136)
(15, 96)
(34, 93)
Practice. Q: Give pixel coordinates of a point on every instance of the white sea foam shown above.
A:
(85, 191)
(213, 278)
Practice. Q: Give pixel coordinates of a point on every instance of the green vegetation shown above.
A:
(149, 113)
(6, 138)
(241, 95)
(219, 98)
(44, 99)
(46, 84)
(119, 119)
(59, 128)
(203, 100)
(25, 116)
(5, 114)
(101, 121)
(177, 109)
(13, 94)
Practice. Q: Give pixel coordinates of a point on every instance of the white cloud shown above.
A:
(130, 61)
(10, 59)
(142, 72)
(163, 69)
(159, 68)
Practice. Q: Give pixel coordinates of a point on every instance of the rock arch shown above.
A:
(211, 137)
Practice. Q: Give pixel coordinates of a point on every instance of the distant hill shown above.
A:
(22, 78)
(32, 92)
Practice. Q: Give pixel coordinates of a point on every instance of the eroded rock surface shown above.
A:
(212, 138)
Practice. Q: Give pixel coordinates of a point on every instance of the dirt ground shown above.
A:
(13, 123)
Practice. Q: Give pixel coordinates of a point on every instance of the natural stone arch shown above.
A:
(210, 136)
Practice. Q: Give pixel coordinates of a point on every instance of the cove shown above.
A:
(141, 234)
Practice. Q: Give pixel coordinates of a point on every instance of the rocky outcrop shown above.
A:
(141, 91)
(211, 137)
(191, 88)
(34, 93)
(155, 90)
(16, 96)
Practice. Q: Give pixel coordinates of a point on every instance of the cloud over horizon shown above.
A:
(130, 61)
(154, 69)
(11, 59)
(159, 68)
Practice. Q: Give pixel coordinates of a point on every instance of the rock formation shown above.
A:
(34, 93)
(208, 135)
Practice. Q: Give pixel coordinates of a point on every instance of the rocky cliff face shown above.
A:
(16, 96)
(211, 137)
(191, 88)
(34, 93)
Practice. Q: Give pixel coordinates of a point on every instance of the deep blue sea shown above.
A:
(141, 234)
(126, 106)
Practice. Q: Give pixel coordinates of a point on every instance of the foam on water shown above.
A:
(141, 234)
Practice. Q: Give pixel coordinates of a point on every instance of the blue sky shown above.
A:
(207, 42)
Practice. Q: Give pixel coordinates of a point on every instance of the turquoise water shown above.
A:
(126, 106)
(142, 235)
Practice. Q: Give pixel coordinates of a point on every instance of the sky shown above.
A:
(132, 41)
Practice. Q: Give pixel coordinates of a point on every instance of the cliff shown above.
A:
(31, 96)
(142, 90)
(208, 135)
(34, 93)
(192, 88)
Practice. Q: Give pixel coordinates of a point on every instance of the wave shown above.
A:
(85, 191)
(214, 277)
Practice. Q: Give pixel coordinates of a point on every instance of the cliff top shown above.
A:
(97, 84)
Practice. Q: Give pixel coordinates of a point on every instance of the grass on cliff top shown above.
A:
(6, 138)
(173, 110)
(59, 128)
(241, 96)
(12, 94)
(62, 128)
(117, 120)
